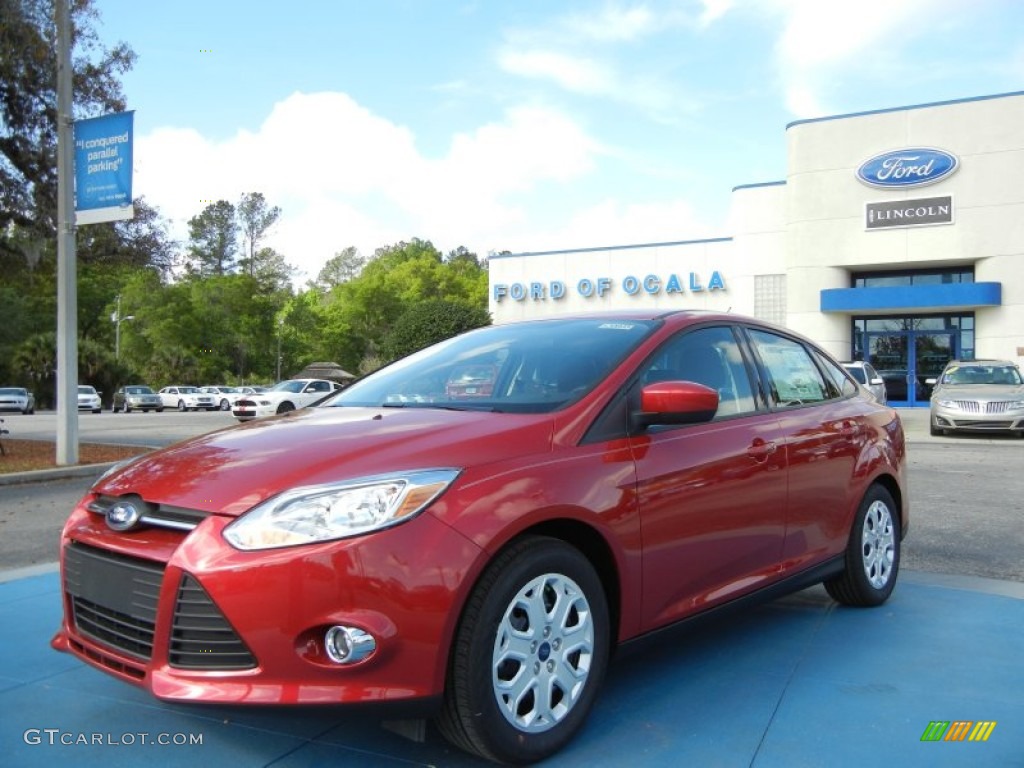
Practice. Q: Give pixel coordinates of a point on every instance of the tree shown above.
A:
(343, 266)
(255, 219)
(430, 322)
(213, 240)
(28, 119)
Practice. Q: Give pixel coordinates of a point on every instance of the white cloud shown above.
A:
(573, 73)
(344, 176)
(820, 38)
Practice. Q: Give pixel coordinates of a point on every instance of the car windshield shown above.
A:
(12, 391)
(519, 367)
(187, 390)
(288, 386)
(982, 374)
(139, 390)
(86, 391)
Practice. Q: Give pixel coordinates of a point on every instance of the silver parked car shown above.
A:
(866, 375)
(978, 396)
(137, 397)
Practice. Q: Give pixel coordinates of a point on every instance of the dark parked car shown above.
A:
(137, 397)
(485, 555)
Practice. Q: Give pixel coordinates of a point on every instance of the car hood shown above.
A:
(232, 470)
(980, 391)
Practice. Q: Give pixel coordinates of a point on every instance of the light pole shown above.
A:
(117, 319)
(280, 326)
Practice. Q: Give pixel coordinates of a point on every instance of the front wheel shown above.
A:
(285, 407)
(225, 405)
(529, 654)
(872, 555)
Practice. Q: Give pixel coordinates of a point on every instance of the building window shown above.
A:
(770, 298)
(913, 277)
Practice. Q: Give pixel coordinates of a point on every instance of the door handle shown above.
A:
(760, 450)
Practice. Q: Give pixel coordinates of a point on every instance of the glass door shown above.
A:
(907, 359)
(931, 353)
(889, 353)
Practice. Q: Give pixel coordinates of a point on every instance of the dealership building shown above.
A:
(896, 237)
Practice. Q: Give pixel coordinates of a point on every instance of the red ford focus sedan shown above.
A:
(484, 554)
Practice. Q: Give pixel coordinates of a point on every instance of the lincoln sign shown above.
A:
(909, 213)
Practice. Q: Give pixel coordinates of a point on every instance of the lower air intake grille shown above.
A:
(113, 597)
(201, 637)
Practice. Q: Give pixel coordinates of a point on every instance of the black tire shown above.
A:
(127, 408)
(873, 553)
(160, 409)
(476, 715)
(934, 430)
(96, 410)
(225, 405)
(181, 406)
(285, 407)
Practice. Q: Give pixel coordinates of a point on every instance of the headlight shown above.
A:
(1015, 405)
(326, 512)
(946, 403)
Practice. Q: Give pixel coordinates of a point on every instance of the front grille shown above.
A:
(160, 515)
(113, 598)
(974, 406)
(201, 637)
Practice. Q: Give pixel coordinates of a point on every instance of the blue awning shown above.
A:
(912, 298)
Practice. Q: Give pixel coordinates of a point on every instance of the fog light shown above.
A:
(347, 645)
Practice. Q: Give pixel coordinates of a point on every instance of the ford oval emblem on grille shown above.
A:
(123, 516)
(902, 168)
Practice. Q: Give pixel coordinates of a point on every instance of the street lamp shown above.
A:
(117, 319)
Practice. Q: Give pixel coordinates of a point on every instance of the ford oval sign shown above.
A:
(123, 516)
(902, 168)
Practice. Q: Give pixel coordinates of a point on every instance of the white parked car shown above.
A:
(867, 376)
(187, 399)
(17, 399)
(225, 396)
(88, 399)
(283, 397)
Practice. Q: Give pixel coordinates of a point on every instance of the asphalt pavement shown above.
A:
(932, 678)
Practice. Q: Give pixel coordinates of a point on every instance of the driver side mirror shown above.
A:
(675, 402)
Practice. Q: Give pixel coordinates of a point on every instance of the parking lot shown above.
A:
(797, 682)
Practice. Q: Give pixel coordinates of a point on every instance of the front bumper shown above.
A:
(971, 416)
(190, 618)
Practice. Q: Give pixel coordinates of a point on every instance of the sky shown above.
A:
(518, 125)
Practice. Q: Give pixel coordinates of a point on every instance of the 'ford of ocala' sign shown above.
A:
(902, 168)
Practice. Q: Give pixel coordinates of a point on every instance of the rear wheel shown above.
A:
(872, 555)
(225, 405)
(182, 406)
(529, 654)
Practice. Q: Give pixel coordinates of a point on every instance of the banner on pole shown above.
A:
(103, 168)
